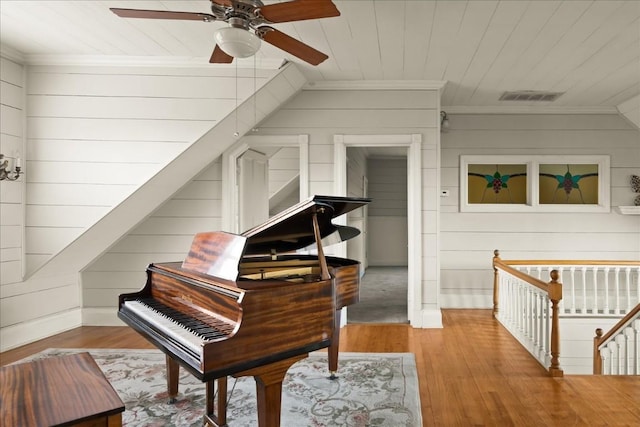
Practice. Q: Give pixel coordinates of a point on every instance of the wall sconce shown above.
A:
(444, 120)
(6, 173)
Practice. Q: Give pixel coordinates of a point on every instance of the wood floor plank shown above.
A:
(472, 373)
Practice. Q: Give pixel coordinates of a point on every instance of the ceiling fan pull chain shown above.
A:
(236, 133)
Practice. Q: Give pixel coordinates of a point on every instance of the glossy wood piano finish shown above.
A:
(220, 312)
(261, 322)
(346, 277)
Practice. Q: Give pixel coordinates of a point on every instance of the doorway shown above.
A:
(383, 287)
(286, 188)
(412, 144)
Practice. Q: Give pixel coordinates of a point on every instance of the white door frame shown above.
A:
(413, 142)
(229, 218)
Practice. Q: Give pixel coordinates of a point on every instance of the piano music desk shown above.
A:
(58, 391)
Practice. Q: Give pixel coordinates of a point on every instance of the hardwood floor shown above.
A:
(472, 373)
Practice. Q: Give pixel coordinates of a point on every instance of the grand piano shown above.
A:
(249, 305)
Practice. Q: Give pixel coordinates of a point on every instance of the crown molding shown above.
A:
(375, 85)
(12, 54)
(529, 109)
(146, 61)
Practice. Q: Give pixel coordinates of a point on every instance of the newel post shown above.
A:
(496, 278)
(597, 359)
(555, 295)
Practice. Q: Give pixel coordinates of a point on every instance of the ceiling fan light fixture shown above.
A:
(237, 42)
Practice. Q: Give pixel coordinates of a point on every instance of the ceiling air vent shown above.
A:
(530, 95)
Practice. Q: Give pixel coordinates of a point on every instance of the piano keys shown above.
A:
(247, 304)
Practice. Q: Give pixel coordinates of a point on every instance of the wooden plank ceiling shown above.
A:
(590, 50)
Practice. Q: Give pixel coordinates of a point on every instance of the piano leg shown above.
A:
(333, 348)
(173, 373)
(269, 389)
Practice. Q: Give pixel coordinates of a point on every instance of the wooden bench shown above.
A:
(58, 391)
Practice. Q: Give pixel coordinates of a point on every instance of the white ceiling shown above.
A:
(588, 49)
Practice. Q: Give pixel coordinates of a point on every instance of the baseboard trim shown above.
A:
(431, 319)
(101, 317)
(27, 332)
(466, 301)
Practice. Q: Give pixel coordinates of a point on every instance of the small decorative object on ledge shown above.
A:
(635, 186)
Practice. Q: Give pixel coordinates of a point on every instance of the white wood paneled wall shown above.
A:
(314, 111)
(387, 243)
(98, 133)
(387, 187)
(325, 113)
(356, 187)
(468, 239)
(284, 179)
(49, 305)
(11, 193)
(53, 293)
(163, 237)
(284, 166)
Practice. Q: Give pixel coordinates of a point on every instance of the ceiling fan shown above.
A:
(248, 21)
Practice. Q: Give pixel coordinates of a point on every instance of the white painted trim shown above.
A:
(12, 54)
(375, 85)
(229, 171)
(24, 333)
(414, 204)
(466, 300)
(530, 109)
(414, 227)
(432, 319)
(628, 210)
(101, 317)
(148, 61)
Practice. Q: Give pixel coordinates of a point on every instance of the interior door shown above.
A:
(253, 189)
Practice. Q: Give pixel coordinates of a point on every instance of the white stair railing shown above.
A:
(618, 351)
(591, 288)
(530, 308)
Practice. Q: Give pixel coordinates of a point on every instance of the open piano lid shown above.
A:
(292, 229)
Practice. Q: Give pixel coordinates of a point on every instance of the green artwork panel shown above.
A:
(497, 184)
(572, 184)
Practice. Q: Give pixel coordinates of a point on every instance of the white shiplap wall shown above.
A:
(49, 306)
(325, 113)
(356, 187)
(11, 193)
(387, 243)
(468, 239)
(98, 133)
(284, 179)
(321, 114)
(163, 237)
(50, 301)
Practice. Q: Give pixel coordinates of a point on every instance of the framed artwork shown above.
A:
(534, 184)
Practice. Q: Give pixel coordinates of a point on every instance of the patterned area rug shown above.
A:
(372, 390)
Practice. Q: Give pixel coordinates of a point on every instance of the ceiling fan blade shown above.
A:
(163, 14)
(299, 10)
(223, 3)
(291, 45)
(220, 57)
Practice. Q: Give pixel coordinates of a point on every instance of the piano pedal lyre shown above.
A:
(216, 418)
